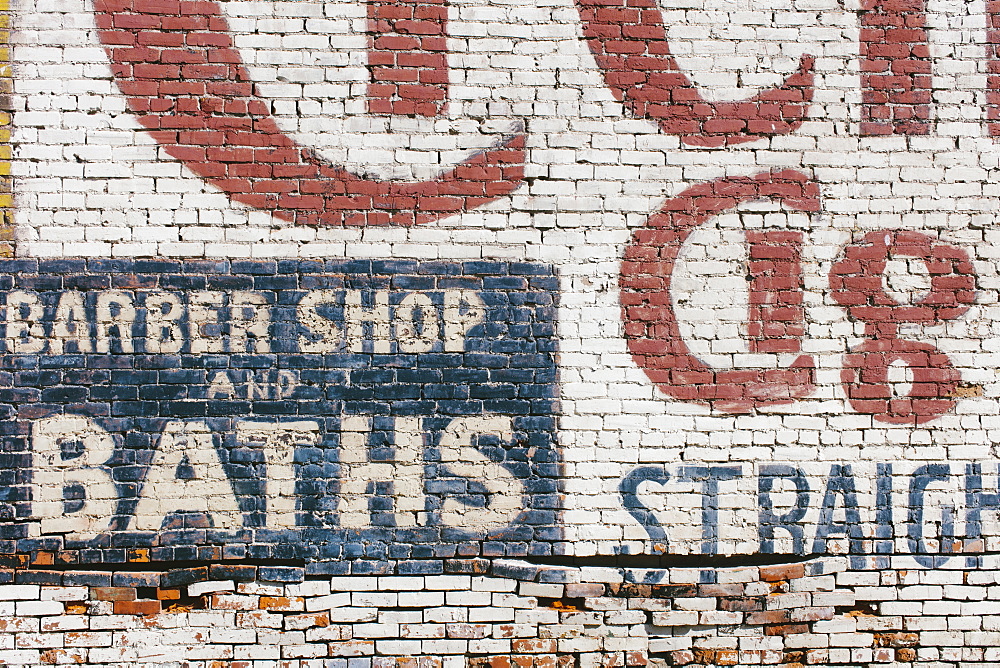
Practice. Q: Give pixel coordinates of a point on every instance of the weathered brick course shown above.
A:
(438, 333)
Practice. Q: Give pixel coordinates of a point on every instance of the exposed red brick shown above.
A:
(734, 589)
(584, 590)
(785, 629)
(113, 593)
(749, 604)
(137, 607)
(782, 572)
(281, 603)
(42, 559)
(489, 662)
(636, 659)
(681, 657)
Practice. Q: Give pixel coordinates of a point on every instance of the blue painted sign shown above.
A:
(346, 413)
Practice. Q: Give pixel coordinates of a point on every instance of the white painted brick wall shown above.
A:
(89, 181)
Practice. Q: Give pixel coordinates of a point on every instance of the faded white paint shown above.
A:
(115, 311)
(163, 331)
(458, 452)
(249, 322)
(24, 331)
(191, 444)
(70, 325)
(70, 450)
(186, 474)
(402, 477)
(278, 441)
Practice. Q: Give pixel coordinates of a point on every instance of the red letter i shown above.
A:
(895, 68)
(408, 57)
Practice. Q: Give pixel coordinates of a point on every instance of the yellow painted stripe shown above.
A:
(6, 89)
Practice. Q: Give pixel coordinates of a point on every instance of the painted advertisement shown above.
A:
(611, 281)
(356, 411)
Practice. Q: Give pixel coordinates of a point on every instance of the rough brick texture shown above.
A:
(364, 416)
(512, 614)
(369, 333)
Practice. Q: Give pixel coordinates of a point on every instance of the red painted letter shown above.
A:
(993, 68)
(895, 68)
(408, 57)
(183, 76)
(629, 42)
(777, 319)
(651, 328)
(857, 284)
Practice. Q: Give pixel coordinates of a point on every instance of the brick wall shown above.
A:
(500, 613)
(364, 333)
